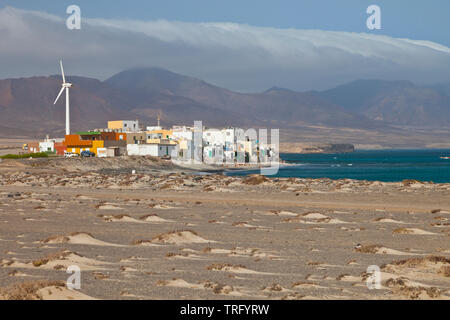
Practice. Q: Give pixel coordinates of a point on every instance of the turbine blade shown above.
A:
(59, 94)
(62, 71)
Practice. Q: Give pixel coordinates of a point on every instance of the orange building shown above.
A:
(92, 140)
(84, 141)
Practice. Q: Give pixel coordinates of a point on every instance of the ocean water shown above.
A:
(379, 165)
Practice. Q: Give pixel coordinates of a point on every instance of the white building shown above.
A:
(153, 149)
(213, 137)
(154, 128)
(47, 146)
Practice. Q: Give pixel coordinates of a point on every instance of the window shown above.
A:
(124, 124)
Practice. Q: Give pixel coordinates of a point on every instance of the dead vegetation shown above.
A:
(255, 179)
(224, 267)
(414, 262)
(400, 286)
(402, 231)
(60, 255)
(27, 290)
(372, 248)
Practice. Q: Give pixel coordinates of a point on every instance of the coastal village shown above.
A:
(227, 146)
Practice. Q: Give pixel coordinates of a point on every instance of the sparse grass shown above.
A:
(25, 156)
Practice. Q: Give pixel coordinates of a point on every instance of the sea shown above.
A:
(373, 165)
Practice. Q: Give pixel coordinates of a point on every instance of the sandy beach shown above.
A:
(167, 233)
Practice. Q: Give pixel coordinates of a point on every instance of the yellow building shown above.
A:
(160, 136)
(124, 125)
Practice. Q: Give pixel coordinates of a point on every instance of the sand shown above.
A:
(160, 234)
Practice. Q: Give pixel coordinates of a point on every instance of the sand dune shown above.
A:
(273, 238)
(226, 267)
(120, 218)
(241, 252)
(153, 218)
(179, 237)
(79, 238)
(41, 290)
(379, 249)
(108, 207)
(414, 231)
(62, 293)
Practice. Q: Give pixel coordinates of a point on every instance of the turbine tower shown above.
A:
(65, 86)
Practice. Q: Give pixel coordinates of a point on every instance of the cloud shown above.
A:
(236, 56)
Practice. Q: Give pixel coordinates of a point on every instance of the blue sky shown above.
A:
(419, 20)
(246, 45)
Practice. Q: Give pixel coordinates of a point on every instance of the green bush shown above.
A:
(24, 156)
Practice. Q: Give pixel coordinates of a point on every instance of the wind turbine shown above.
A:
(65, 86)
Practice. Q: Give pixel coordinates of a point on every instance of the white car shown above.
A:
(70, 154)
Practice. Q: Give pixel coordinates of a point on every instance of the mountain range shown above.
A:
(26, 104)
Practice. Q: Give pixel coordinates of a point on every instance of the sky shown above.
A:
(246, 45)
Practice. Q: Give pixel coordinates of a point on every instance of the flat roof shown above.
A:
(86, 133)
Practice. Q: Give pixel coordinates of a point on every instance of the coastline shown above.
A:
(178, 234)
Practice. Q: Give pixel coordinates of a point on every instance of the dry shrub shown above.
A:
(120, 216)
(340, 277)
(409, 182)
(402, 231)
(222, 266)
(60, 255)
(138, 242)
(445, 271)
(163, 236)
(255, 179)
(300, 283)
(147, 216)
(399, 285)
(414, 262)
(27, 290)
(275, 287)
(372, 248)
